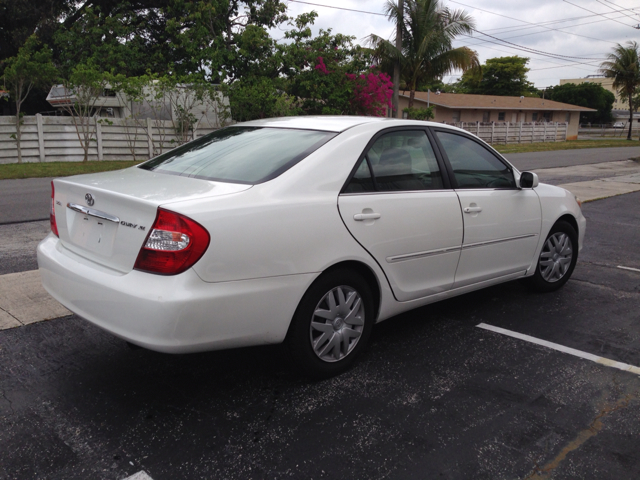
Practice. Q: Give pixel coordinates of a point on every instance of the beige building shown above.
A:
(459, 107)
(606, 83)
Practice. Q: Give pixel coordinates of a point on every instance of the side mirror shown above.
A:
(528, 180)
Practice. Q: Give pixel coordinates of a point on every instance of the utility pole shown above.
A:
(395, 100)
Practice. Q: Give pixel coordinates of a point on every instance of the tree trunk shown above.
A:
(412, 96)
(18, 136)
(395, 102)
(630, 117)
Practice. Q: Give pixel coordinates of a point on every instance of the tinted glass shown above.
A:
(362, 180)
(404, 161)
(473, 165)
(240, 154)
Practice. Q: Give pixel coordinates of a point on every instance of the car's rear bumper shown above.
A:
(174, 314)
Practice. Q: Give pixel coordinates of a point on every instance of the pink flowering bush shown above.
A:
(372, 93)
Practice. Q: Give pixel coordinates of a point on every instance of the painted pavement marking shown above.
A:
(561, 348)
(629, 268)
(141, 475)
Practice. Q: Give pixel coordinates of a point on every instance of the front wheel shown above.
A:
(332, 324)
(557, 258)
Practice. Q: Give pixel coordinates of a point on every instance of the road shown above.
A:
(435, 396)
(28, 199)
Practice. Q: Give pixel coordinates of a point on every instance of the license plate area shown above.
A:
(90, 233)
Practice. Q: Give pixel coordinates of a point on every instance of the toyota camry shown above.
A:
(302, 230)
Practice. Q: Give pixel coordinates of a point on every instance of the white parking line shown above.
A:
(629, 268)
(141, 475)
(561, 348)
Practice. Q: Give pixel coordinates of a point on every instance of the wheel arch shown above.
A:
(369, 276)
(571, 220)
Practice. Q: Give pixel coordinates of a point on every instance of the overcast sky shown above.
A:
(573, 32)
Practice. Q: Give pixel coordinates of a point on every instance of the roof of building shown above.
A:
(464, 101)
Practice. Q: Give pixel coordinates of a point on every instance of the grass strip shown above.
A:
(59, 169)
(568, 145)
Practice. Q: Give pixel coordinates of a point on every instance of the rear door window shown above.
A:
(398, 161)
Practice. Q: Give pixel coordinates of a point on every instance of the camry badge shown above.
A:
(89, 198)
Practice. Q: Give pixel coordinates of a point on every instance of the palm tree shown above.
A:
(428, 31)
(623, 65)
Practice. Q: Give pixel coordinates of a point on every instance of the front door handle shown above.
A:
(472, 209)
(366, 216)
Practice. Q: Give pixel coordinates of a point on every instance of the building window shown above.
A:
(567, 117)
(501, 116)
(455, 116)
(485, 116)
(534, 117)
(548, 116)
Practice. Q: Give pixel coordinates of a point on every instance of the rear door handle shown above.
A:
(472, 209)
(366, 216)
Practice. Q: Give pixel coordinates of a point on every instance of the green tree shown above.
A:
(19, 19)
(590, 95)
(427, 54)
(506, 76)
(84, 87)
(623, 65)
(32, 67)
(174, 37)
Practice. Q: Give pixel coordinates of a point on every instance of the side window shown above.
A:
(402, 161)
(473, 165)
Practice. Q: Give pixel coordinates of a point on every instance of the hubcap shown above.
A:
(556, 256)
(337, 324)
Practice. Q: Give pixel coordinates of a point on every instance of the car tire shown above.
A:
(332, 324)
(557, 258)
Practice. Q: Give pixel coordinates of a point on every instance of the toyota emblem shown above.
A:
(89, 198)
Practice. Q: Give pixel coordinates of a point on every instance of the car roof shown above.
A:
(329, 123)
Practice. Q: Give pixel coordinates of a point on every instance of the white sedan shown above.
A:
(300, 230)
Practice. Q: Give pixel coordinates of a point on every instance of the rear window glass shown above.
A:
(240, 154)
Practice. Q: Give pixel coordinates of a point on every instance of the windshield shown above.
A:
(247, 155)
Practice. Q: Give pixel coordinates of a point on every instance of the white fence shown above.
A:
(521, 132)
(54, 139)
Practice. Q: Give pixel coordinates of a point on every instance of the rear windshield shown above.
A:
(240, 154)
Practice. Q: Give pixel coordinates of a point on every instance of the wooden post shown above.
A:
(544, 136)
(478, 129)
(493, 129)
(520, 133)
(566, 130)
(150, 137)
(40, 136)
(506, 135)
(99, 138)
(555, 135)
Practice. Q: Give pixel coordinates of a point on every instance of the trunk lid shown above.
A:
(105, 217)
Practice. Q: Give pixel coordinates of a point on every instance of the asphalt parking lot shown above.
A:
(435, 396)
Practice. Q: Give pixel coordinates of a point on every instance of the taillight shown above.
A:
(173, 245)
(52, 212)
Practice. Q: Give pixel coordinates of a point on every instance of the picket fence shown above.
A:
(54, 139)
(521, 132)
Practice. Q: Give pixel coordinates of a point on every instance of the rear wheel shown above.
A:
(557, 258)
(332, 324)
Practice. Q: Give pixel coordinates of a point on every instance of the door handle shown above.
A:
(366, 216)
(472, 209)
